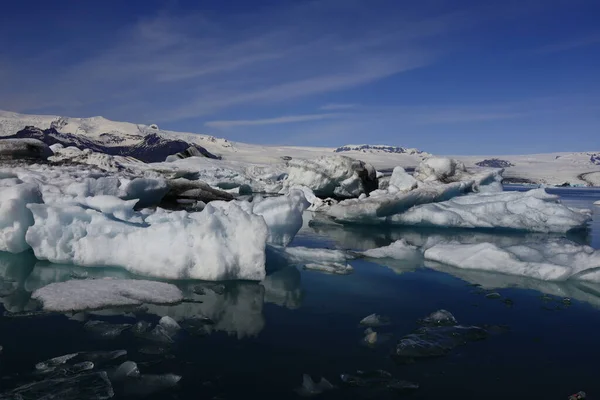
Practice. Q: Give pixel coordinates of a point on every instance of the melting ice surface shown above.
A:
(529, 336)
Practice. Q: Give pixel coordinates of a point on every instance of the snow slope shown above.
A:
(581, 168)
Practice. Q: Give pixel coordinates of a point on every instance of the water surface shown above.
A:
(266, 336)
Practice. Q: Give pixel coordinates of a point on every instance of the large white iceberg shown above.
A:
(550, 260)
(332, 176)
(15, 218)
(78, 295)
(534, 210)
(215, 244)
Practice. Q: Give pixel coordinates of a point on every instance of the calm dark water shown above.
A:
(266, 336)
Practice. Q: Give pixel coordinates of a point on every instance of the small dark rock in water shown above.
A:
(566, 301)
(439, 318)
(311, 388)
(508, 302)
(494, 295)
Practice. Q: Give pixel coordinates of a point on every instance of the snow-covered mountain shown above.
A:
(149, 143)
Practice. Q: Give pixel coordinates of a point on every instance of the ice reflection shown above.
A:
(579, 290)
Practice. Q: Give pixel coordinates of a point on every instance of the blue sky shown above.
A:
(446, 76)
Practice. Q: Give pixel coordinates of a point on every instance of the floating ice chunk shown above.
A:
(211, 245)
(374, 208)
(437, 341)
(283, 216)
(128, 369)
(15, 217)
(398, 250)
(169, 324)
(311, 388)
(299, 254)
(402, 181)
(330, 268)
(375, 320)
(371, 338)
(439, 169)
(439, 318)
(597, 203)
(77, 295)
(54, 362)
(534, 210)
(552, 260)
(89, 386)
(332, 176)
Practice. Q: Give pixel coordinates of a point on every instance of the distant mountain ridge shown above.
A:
(378, 148)
(151, 148)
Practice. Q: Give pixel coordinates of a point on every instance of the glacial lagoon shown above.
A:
(257, 340)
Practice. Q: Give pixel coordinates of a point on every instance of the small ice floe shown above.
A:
(371, 338)
(54, 362)
(89, 386)
(438, 337)
(311, 388)
(439, 318)
(330, 268)
(79, 295)
(375, 320)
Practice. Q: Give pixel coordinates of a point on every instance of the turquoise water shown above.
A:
(264, 337)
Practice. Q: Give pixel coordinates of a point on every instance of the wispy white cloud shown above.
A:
(271, 121)
(336, 106)
(185, 65)
(589, 40)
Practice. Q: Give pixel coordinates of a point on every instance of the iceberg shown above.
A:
(32, 149)
(332, 176)
(283, 215)
(15, 218)
(79, 295)
(534, 210)
(374, 209)
(208, 245)
(552, 260)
